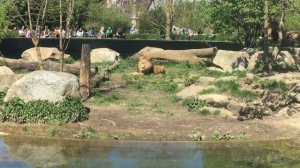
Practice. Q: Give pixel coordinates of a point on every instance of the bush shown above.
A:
(194, 104)
(2, 95)
(42, 111)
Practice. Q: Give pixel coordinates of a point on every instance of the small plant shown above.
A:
(53, 132)
(86, 132)
(221, 136)
(69, 60)
(2, 95)
(273, 85)
(197, 136)
(194, 104)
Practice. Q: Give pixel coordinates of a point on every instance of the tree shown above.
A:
(4, 22)
(34, 18)
(100, 15)
(64, 40)
(241, 18)
(193, 14)
(168, 7)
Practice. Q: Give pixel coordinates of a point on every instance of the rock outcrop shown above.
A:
(44, 85)
(103, 55)
(231, 60)
(46, 53)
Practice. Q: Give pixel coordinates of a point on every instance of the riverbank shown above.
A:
(113, 123)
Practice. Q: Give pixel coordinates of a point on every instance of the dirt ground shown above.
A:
(172, 122)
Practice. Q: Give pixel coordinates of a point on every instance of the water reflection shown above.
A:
(39, 152)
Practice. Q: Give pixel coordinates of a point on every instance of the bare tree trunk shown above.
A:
(61, 47)
(168, 25)
(85, 65)
(268, 67)
(277, 48)
(17, 64)
(169, 11)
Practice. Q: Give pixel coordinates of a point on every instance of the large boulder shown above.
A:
(231, 60)
(254, 60)
(44, 85)
(46, 53)
(4, 70)
(103, 55)
(286, 59)
(9, 79)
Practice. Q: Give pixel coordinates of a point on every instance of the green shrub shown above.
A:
(194, 104)
(42, 111)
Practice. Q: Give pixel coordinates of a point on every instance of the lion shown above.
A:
(159, 69)
(146, 67)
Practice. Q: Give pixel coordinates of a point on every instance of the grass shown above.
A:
(100, 99)
(232, 88)
(272, 85)
(52, 132)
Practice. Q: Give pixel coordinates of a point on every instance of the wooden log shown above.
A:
(16, 64)
(85, 65)
(191, 56)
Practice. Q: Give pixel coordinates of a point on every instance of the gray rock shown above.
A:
(103, 55)
(231, 60)
(253, 61)
(46, 53)
(288, 59)
(192, 91)
(216, 100)
(4, 70)
(215, 69)
(254, 112)
(44, 85)
(7, 80)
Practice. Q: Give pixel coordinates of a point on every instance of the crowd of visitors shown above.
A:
(81, 32)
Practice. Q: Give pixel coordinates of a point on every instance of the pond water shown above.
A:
(19, 152)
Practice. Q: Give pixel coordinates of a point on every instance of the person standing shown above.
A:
(101, 34)
(109, 33)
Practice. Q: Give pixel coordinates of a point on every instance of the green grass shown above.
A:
(106, 99)
(127, 66)
(272, 85)
(232, 88)
(149, 83)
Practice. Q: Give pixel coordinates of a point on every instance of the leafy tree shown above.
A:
(99, 15)
(153, 22)
(194, 15)
(4, 22)
(241, 18)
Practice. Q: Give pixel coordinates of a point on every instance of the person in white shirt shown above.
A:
(80, 33)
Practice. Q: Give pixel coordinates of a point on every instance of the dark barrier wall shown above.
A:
(13, 47)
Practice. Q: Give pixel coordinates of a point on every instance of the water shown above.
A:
(21, 152)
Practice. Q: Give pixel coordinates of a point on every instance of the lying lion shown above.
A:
(146, 67)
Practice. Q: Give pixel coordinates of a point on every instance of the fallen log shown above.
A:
(191, 56)
(16, 64)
